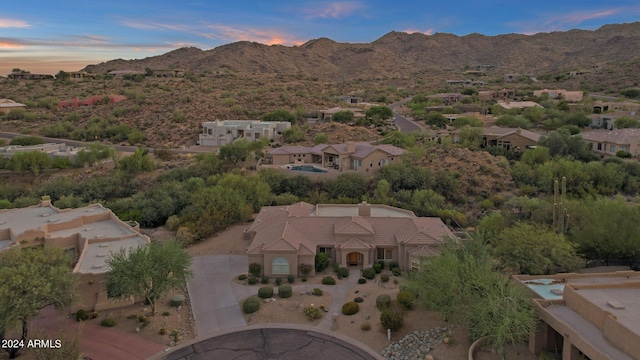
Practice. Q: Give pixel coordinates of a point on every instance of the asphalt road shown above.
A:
(405, 125)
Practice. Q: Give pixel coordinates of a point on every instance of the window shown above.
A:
(280, 265)
(385, 253)
(613, 148)
(599, 146)
(326, 250)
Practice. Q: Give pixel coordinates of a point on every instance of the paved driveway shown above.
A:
(213, 302)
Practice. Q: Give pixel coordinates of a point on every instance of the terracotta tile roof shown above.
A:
(355, 244)
(424, 251)
(353, 225)
(501, 132)
(619, 137)
(286, 150)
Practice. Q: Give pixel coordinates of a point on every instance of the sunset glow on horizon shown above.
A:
(72, 34)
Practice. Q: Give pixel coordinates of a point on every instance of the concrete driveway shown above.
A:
(213, 301)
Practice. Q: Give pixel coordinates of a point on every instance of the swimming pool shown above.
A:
(307, 168)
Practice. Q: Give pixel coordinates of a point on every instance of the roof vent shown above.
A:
(97, 266)
(103, 245)
(88, 229)
(101, 255)
(53, 220)
(100, 236)
(45, 214)
(616, 305)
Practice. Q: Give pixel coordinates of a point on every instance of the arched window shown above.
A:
(280, 265)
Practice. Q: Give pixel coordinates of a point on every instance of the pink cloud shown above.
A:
(10, 44)
(334, 9)
(426, 32)
(13, 23)
(568, 20)
(268, 37)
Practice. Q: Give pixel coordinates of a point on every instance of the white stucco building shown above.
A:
(223, 132)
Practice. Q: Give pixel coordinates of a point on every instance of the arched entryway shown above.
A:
(355, 259)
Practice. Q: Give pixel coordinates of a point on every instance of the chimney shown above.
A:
(351, 147)
(364, 209)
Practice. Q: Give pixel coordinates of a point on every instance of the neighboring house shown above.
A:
(608, 120)
(88, 234)
(511, 77)
(560, 94)
(122, 73)
(447, 98)
(168, 73)
(510, 138)
(29, 76)
(586, 316)
(361, 157)
(283, 237)
(6, 105)
(604, 106)
(453, 117)
(465, 82)
(327, 115)
(518, 104)
(609, 142)
(51, 149)
(350, 99)
(224, 132)
(503, 94)
(79, 75)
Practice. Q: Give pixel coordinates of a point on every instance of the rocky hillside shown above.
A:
(398, 54)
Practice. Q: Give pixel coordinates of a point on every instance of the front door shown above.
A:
(354, 259)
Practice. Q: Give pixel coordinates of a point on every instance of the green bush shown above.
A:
(358, 300)
(265, 292)
(381, 262)
(336, 266)
(392, 317)
(392, 265)
(242, 277)
(251, 305)
(384, 277)
(343, 272)
(108, 322)
(369, 273)
(81, 315)
(322, 261)
(383, 301)
(264, 280)
(26, 141)
(252, 281)
(278, 281)
(317, 292)
(291, 279)
(285, 291)
(365, 326)
(396, 271)
(377, 268)
(177, 300)
(254, 269)
(362, 281)
(350, 308)
(312, 312)
(406, 299)
(328, 280)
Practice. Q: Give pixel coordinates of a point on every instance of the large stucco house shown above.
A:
(224, 132)
(283, 237)
(609, 142)
(6, 105)
(362, 157)
(561, 94)
(509, 138)
(88, 234)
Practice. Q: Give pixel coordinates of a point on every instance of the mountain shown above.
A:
(398, 54)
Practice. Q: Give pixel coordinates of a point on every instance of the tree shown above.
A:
(235, 152)
(31, 161)
(63, 75)
(293, 134)
(139, 161)
(26, 141)
(148, 271)
(320, 139)
(471, 137)
(625, 122)
(535, 250)
(436, 119)
(344, 117)
(562, 143)
(95, 153)
(31, 280)
(379, 112)
(472, 121)
(348, 185)
(280, 115)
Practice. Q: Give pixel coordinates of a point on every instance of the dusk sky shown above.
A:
(46, 36)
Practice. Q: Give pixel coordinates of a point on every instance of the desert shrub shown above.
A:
(254, 269)
(242, 277)
(177, 300)
(336, 266)
(362, 281)
(358, 300)
(384, 277)
(81, 315)
(377, 268)
(350, 308)
(142, 318)
(94, 315)
(406, 299)
(166, 313)
(328, 280)
(291, 279)
(365, 326)
(392, 265)
(342, 272)
(264, 280)
(305, 269)
(251, 305)
(396, 271)
(317, 292)
(392, 317)
(278, 281)
(252, 281)
(312, 312)
(265, 292)
(322, 261)
(285, 291)
(108, 322)
(369, 273)
(381, 262)
(383, 301)
(162, 331)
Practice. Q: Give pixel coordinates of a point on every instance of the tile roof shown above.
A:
(354, 225)
(501, 132)
(355, 244)
(361, 149)
(424, 251)
(620, 136)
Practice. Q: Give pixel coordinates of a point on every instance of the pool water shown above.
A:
(308, 168)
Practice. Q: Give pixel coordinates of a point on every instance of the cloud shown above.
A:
(151, 25)
(13, 23)
(569, 20)
(426, 32)
(9, 44)
(268, 37)
(334, 9)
